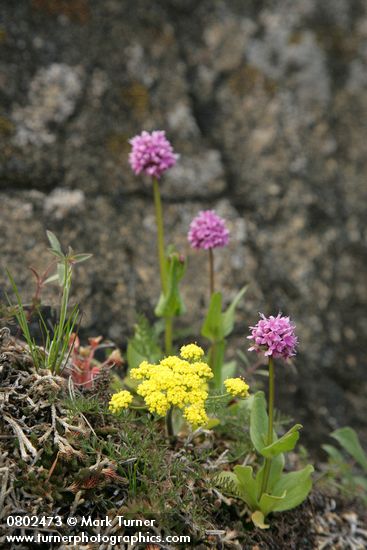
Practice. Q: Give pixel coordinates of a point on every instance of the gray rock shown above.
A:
(265, 103)
(62, 202)
(52, 97)
(197, 176)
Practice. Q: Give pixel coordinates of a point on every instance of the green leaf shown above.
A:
(58, 254)
(333, 453)
(213, 324)
(212, 423)
(247, 485)
(258, 520)
(22, 319)
(216, 357)
(269, 503)
(229, 370)
(134, 357)
(297, 485)
(238, 409)
(117, 384)
(52, 279)
(78, 258)
(228, 316)
(171, 304)
(286, 443)
(348, 439)
(218, 325)
(130, 384)
(54, 242)
(228, 481)
(241, 484)
(259, 422)
(144, 344)
(61, 273)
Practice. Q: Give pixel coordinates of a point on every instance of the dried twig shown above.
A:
(22, 438)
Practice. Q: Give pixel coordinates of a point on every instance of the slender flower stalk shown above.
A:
(211, 272)
(168, 330)
(208, 231)
(152, 154)
(267, 465)
(169, 424)
(160, 234)
(162, 260)
(212, 358)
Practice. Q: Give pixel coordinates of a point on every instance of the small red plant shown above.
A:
(84, 366)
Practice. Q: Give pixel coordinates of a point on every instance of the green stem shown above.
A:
(268, 461)
(212, 363)
(160, 235)
(59, 335)
(214, 397)
(169, 424)
(162, 260)
(211, 272)
(168, 335)
(213, 350)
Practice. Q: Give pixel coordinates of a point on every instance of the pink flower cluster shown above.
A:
(208, 230)
(151, 153)
(275, 336)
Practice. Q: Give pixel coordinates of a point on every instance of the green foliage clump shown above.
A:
(273, 491)
(217, 326)
(163, 484)
(348, 470)
(56, 340)
(144, 345)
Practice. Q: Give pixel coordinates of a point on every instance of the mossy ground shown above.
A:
(63, 453)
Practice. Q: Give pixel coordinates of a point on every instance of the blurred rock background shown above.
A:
(265, 101)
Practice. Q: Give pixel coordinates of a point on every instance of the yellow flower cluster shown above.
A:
(176, 382)
(191, 352)
(120, 401)
(236, 386)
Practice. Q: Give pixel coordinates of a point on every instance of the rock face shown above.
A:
(266, 104)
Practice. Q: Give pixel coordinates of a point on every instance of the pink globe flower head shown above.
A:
(151, 153)
(275, 336)
(208, 230)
